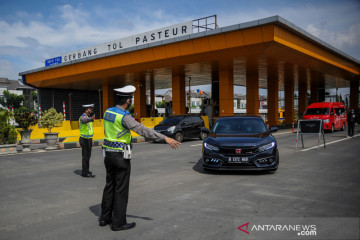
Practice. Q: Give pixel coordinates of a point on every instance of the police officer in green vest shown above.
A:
(86, 136)
(117, 154)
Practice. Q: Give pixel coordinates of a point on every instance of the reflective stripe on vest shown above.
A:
(116, 135)
(86, 129)
(114, 145)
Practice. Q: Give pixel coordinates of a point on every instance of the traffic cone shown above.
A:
(293, 130)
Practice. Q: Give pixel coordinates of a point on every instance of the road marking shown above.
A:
(196, 145)
(347, 138)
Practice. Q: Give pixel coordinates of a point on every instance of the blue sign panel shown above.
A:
(52, 61)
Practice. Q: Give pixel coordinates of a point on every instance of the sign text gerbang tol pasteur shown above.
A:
(165, 33)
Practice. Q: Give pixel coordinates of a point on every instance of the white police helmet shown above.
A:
(126, 91)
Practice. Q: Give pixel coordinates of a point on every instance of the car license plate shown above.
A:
(238, 159)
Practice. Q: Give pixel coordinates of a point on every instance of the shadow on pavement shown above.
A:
(96, 210)
(78, 172)
(198, 168)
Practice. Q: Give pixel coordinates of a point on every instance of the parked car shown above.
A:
(333, 115)
(182, 126)
(240, 143)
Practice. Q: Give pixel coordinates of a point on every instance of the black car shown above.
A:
(240, 143)
(182, 126)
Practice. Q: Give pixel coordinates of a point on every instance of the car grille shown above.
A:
(231, 151)
(245, 165)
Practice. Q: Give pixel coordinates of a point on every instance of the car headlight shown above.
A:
(266, 147)
(326, 120)
(171, 129)
(211, 147)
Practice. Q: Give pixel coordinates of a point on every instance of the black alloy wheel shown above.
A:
(179, 137)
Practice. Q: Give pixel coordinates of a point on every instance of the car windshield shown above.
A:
(317, 111)
(239, 125)
(171, 121)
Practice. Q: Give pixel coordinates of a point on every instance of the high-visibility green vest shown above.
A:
(86, 129)
(116, 135)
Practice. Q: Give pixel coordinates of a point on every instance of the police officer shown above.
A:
(351, 119)
(117, 153)
(86, 135)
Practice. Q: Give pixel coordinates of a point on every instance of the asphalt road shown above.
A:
(42, 195)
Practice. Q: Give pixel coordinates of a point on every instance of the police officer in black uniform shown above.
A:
(86, 138)
(117, 154)
(351, 119)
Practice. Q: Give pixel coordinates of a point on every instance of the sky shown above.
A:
(32, 31)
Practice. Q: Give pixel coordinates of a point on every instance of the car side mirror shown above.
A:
(332, 113)
(184, 123)
(274, 129)
(205, 130)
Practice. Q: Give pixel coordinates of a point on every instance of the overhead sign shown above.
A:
(52, 61)
(165, 33)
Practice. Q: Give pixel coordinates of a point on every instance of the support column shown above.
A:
(354, 93)
(321, 88)
(226, 90)
(214, 112)
(252, 87)
(139, 96)
(314, 87)
(108, 97)
(178, 92)
(152, 95)
(302, 81)
(273, 92)
(289, 93)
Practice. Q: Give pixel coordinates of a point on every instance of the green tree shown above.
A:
(8, 134)
(12, 100)
(34, 96)
(160, 104)
(25, 119)
(50, 119)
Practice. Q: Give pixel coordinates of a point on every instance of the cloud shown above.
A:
(346, 38)
(7, 70)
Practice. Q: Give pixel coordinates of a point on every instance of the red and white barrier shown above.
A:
(13, 115)
(64, 111)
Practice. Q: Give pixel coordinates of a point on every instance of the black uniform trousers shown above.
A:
(86, 145)
(116, 191)
(351, 128)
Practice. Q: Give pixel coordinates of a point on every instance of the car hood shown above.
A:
(248, 140)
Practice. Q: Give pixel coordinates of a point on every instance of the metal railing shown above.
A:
(205, 24)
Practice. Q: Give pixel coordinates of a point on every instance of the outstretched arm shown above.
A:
(140, 129)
